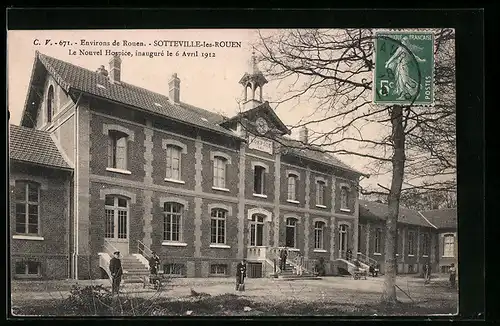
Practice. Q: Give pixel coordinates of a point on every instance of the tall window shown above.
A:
(378, 241)
(257, 230)
(411, 243)
(117, 150)
(320, 193)
(116, 220)
(258, 180)
(173, 162)
(343, 238)
(172, 221)
(219, 172)
(319, 235)
(425, 244)
(360, 242)
(344, 198)
(27, 198)
(218, 226)
(449, 246)
(50, 103)
(291, 232)
(292, 187)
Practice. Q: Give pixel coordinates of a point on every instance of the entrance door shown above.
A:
(116, 230)
(343, 243)
(290, 234)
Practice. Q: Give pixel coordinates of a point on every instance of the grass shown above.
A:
(327, 297)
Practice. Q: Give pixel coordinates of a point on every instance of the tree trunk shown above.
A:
(398, 163)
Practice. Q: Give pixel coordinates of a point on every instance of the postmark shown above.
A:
(404, 68)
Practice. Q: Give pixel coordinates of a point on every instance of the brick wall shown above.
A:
(51, 249)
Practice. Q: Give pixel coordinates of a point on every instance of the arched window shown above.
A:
(319, 235)
(174, 162)
(292, 187)
(27, 199)
(50, 103)
(257, 230)
(291, 232)
(218, 226)
(117, 149)
(116, 220)
(344, 198)
(219, 172)
(172, 221)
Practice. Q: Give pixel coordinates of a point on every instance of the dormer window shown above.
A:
(50, 104)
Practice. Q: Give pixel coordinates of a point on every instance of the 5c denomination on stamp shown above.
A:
(404, 68)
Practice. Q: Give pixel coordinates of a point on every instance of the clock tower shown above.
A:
(253, 81)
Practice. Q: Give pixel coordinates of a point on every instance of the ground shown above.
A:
(337, 296)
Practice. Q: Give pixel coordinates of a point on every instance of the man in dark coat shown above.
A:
(427, 272)
(241, 273)
(115, 267)
(154, 263)
(283, 256)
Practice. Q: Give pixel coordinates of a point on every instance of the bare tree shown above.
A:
(332, 71)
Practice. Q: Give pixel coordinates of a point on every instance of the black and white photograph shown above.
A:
(235, 172)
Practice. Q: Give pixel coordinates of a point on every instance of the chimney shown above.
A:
(174, 89)
(304, 135)
(115, 66)
(102, 71)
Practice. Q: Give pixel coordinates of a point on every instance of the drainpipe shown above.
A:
(68, 233)
(75, 243)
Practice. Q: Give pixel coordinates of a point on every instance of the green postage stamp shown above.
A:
(404, 68)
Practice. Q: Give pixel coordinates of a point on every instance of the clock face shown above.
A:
(261, 125)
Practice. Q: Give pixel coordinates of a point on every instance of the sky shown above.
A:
(210, 83)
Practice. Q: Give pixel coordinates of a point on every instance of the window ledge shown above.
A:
(345, 210)
(121, 171)
(443, 256)
(220, 189)
(260, 195)
(411, 255)
(319, 250)
(28, 276)
(397, 255)
(293, 201)
(218, 275)
(28, 237)
(174, 244)
(217, 245)
(174, 181)
(321, 206)
(425, 256)
(293, 249)
(377, 254)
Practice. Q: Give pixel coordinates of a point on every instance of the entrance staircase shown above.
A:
(135, 266)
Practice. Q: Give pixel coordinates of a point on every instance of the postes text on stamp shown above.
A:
(404, 68)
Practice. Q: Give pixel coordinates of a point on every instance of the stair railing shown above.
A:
(367, 260)
(144, 250)
(109, 248)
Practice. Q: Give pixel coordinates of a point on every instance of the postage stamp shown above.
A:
(404, 68)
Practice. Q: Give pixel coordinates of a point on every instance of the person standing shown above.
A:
(427, 272)
(154, 264)
(241, 273)
(283, 256)
(453, 275)
(300, 264)
(115, 267)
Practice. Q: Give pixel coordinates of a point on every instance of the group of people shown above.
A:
(299, 261)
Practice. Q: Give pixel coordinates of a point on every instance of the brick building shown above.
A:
(145, 171)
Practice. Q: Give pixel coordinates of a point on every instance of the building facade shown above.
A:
(150, 172)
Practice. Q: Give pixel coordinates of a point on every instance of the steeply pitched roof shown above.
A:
(34, 146)
(316, 154)
(70, 76)
(375, 210)
(442, 218)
